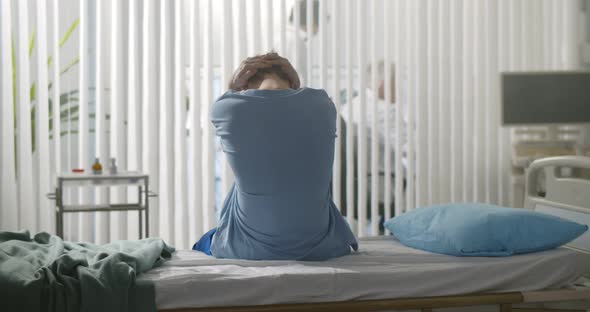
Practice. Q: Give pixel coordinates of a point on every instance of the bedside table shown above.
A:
(88, 179)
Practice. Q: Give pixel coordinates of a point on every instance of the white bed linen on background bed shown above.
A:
(383, 268)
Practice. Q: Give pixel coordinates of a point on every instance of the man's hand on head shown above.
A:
(286, 66)
(245, 71)
(251, 65)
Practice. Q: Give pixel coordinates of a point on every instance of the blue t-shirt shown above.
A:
(280, 145)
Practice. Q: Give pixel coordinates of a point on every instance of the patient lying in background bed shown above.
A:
(279, 141)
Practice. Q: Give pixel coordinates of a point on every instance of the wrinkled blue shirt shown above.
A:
(280, 145)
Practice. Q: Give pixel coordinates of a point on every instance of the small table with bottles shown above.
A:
(138, 179)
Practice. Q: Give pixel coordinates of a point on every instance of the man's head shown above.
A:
(273, 77)
(268, 71)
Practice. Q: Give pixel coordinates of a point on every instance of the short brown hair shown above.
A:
(275, 69)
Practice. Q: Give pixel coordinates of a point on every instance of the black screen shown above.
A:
(545, 97)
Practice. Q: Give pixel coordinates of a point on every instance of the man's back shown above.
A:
(280, 145)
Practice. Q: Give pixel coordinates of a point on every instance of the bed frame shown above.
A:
(570, 193)
(567, 195)
(505, 302)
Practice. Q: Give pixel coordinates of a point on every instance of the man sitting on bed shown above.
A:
(279, 141)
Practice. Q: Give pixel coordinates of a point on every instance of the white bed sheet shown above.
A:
(383, 268)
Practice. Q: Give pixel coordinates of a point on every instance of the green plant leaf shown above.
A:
(33, 134)
(64, 133)
(32, 93)
(65, 98)
(31, 42)
(69, 32)
(64, 70)
(71, 64)
(62, 41)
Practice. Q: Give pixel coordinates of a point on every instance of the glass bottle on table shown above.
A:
(97, 167)
(113, 167)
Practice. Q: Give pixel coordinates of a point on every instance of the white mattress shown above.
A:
(383, 268)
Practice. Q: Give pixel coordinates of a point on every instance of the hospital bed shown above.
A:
(385, 275)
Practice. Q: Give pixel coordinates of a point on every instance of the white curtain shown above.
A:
(134, 80)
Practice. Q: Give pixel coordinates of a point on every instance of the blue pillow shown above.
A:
(482, 230)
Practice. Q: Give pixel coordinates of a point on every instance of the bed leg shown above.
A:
(506, 307)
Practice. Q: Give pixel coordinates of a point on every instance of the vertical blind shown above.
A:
(134, 80)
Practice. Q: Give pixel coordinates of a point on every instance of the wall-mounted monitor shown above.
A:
(550, 97)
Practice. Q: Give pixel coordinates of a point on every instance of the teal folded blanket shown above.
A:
(45, 273)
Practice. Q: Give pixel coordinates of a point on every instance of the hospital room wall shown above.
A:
(259, 45)
(42, 158)
(447, 58)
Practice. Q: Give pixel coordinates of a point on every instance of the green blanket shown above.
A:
(46, 273)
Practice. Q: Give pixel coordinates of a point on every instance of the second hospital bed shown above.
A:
(386, 275)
